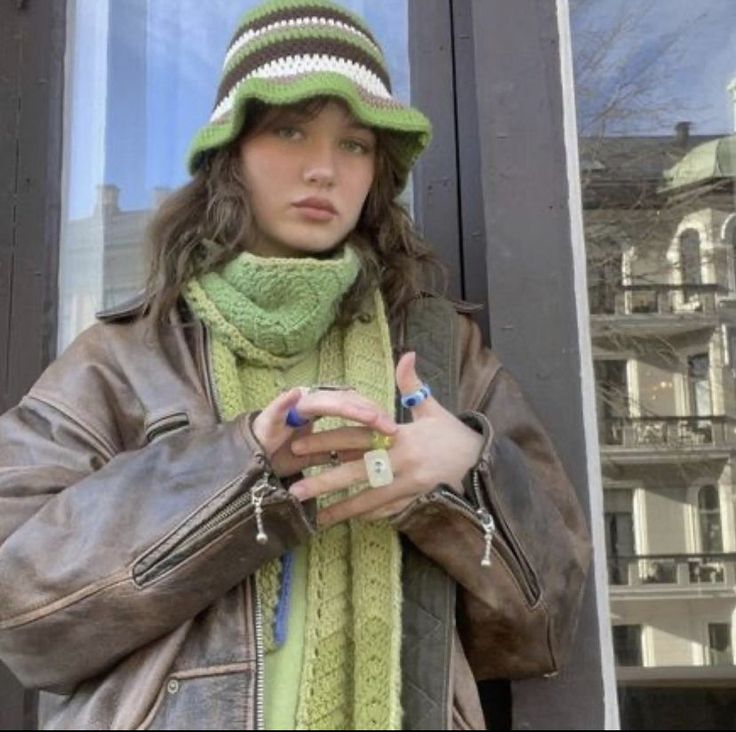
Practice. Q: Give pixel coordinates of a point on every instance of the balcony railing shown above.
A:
(673, 569)
(668, 432)
(654, 299)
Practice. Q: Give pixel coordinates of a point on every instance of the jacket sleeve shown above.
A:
(102, 551)
(517, 616)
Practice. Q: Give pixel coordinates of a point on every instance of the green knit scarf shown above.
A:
(266, 314)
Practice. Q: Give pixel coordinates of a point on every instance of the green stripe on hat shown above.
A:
(305, 8)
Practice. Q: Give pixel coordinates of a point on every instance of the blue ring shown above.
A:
(416, 397)
(294, 420)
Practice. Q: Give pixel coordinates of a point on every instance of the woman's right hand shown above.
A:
(276, 436)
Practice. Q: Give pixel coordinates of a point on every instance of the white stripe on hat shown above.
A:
(296, 65)
(292, 23)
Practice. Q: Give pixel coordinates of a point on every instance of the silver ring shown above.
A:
(334, 458)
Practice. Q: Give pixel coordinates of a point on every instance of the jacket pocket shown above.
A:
(166, 425)
(216, 698)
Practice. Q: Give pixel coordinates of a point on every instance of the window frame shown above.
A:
(32, 47)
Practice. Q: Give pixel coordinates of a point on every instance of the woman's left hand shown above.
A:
(434, 448)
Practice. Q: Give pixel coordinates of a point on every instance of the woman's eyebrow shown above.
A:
(355, 125)
(296, 117)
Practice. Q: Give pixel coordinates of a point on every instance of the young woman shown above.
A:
(234, 503)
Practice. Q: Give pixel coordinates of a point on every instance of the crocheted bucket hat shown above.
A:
(286, 51)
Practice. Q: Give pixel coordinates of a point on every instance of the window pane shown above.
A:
(613, 400)
(619, 524)
(142, 77)
(627, 645)
(699, 383)
(709, 511)
(656, 105)
(719, 644)
(690, 257)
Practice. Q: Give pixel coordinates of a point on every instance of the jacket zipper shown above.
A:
(254, 496)
(260, 665)
(480, 517)
(531, 584)
(530, 578)
(261, 538)
(483, 518)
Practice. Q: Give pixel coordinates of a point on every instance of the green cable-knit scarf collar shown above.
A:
(270, 310)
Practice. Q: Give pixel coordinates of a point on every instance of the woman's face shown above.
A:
(329, 159)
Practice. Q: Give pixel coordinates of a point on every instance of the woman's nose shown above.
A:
(319, 165)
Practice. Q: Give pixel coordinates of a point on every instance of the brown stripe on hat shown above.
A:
(299, 13)
(306, 46)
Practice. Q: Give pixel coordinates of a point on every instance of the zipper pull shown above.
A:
(257, 493)
(489, 528)
(489, 525)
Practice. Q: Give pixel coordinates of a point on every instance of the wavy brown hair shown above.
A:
(208, 221)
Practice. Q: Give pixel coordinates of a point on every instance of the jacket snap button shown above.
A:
(173, 686)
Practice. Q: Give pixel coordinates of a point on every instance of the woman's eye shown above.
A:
(286, 132)
(358, 146)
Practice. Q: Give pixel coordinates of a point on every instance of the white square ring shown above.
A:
(378, 466)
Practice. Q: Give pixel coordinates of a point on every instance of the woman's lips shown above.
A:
(315, 214)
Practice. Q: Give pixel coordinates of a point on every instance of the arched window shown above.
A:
(709, 519)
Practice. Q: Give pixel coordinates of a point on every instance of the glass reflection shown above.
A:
(141, 76)
(656, 100)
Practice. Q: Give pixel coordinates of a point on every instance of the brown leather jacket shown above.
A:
(127, 541)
